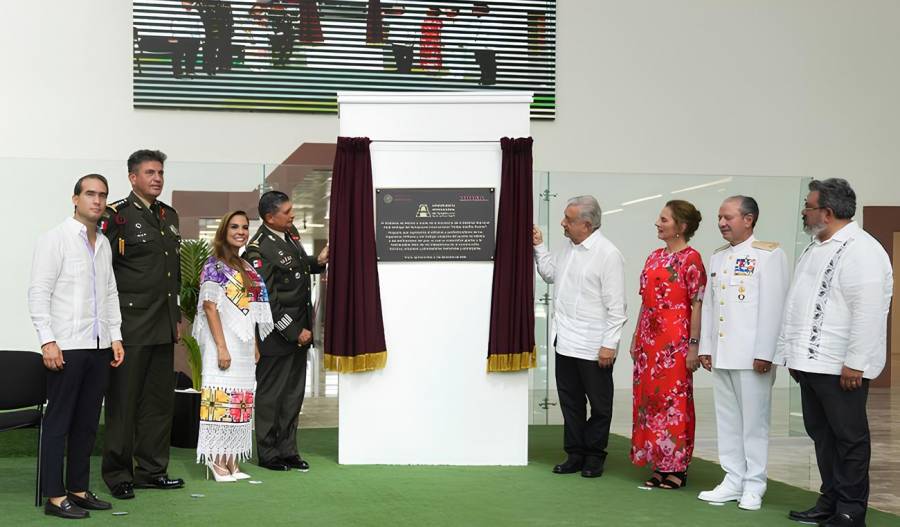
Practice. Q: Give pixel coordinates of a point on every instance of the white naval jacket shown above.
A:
(743, 303)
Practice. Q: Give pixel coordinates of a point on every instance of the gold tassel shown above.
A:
(359, 363)
(512, 361)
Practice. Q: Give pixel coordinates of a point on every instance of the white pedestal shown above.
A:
(434, 403)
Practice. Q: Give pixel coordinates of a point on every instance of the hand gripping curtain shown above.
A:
(511, 342)
(354, 327)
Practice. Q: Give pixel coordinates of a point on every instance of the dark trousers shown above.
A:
(74, 397)
(403, 57)
(579, 381)
(184, 56)
(216, 54)
(836, 421)
(280, 384)
(139, 406)
(282, 45)
(487, 63)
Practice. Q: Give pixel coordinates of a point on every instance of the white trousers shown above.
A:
(743, 411)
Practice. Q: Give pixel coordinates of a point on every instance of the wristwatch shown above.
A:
(693, 341)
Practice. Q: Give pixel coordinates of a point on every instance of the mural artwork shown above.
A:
(295, 55)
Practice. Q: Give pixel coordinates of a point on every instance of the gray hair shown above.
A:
(588, 210)
(835, 194)
(747, 206)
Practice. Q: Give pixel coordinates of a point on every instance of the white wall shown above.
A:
(766, 87)
(434, 403)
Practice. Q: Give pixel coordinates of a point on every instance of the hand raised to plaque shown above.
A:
(537, 237)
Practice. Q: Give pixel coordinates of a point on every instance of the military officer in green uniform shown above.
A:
(276, 253)
(143, 234)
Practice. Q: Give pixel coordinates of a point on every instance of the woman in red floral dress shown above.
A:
(664, 349)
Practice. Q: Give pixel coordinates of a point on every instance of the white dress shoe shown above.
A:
(240, 475)
(720, 494)
(750, 501)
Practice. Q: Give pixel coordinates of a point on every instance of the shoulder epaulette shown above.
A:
(116, 205)
(722, 248)
(256, 239)
(166, 205)
(766, 246)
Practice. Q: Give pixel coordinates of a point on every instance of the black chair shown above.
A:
(23, 384)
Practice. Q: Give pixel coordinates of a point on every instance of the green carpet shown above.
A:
(331, 494)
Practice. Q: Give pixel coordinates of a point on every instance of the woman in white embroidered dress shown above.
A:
(232, 302)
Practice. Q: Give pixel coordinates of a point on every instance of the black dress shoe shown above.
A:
(274, 465)
(296, 462)
(843, 520)
(161, 482)
(570, 466)
(89, 501)
(123, 491)
(593, 467)
(815, 514)
(66, 509)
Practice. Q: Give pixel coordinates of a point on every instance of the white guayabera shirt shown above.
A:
(72, 296)
(589, 295)
(836, 309)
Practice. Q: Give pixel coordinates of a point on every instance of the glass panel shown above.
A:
(795, 409)
(538, 377)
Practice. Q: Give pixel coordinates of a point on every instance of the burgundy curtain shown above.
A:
(354, 327)
(511, 343)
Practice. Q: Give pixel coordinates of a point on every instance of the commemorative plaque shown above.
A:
(434, 224)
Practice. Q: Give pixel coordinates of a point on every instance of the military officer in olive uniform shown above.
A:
(276, 253)
(741, 317)
(143, 234)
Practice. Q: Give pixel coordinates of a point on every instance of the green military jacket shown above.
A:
(146, 246)
(285, 267)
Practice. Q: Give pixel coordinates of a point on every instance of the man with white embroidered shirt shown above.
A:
(74, 306)
(833, 340)
(588, 274)
(742, 307)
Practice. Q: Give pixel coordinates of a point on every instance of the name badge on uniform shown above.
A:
(744, 266)
(173, 229)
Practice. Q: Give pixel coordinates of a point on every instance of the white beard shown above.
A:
(814, 230)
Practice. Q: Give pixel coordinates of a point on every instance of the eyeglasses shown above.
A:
(807, 208)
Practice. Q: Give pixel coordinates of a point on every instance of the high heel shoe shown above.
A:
(237, 474)
(211, 467)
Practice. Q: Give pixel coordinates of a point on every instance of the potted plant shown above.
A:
(186, 414)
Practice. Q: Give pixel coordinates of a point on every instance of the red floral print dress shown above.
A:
(430, 47)
(663, 406)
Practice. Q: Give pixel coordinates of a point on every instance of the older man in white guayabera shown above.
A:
(588, 274)
(833, 339)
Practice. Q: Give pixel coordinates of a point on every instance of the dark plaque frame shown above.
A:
(435, 224)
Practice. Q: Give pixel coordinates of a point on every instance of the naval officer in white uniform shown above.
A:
(742, 310)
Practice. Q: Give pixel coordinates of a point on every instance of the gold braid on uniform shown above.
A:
(512, 361)
(364, 362)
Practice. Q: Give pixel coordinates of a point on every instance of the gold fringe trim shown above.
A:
(366, 362)
(512, 361)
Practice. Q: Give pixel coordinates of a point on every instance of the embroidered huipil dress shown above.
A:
(226, 407)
